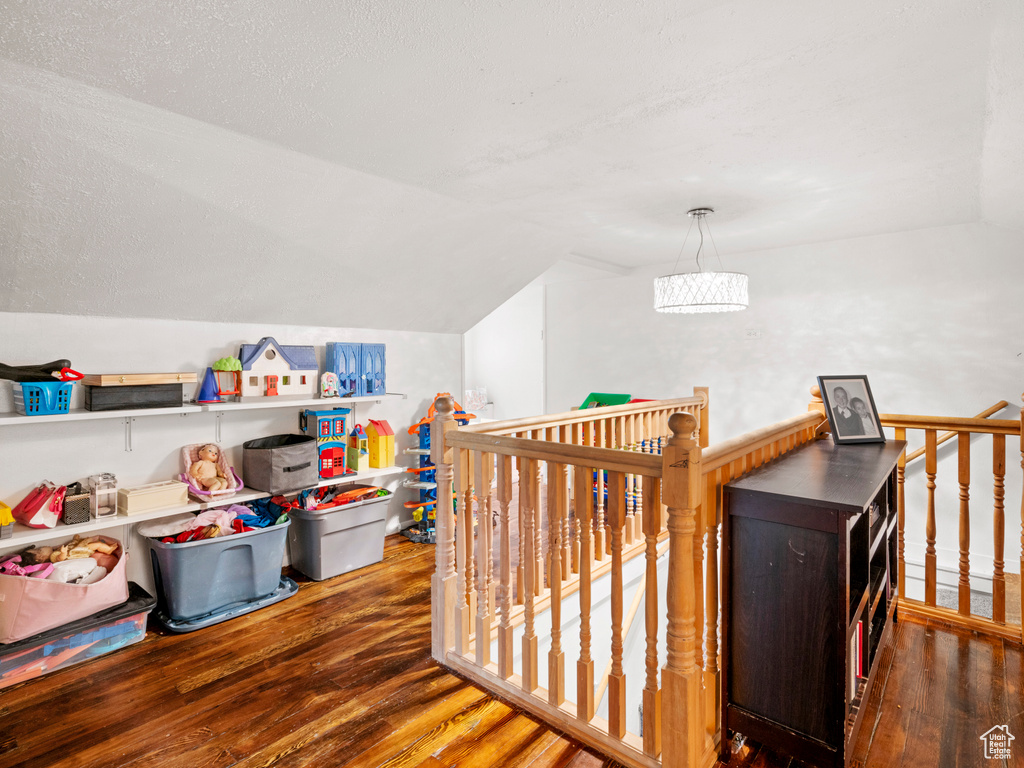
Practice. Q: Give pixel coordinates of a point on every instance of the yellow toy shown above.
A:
(382, 444)
(6, 521)
(358, 455)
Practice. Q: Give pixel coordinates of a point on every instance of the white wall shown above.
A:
(504, 353)
(932, 316)
(418, 364)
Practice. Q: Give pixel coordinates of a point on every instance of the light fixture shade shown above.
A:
(692, 292)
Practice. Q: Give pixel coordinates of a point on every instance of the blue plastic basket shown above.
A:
(42, 398)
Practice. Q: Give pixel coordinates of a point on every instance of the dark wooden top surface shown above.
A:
(822, 474)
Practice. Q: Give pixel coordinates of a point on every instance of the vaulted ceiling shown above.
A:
(411, 165)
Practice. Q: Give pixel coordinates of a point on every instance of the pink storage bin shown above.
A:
(29, 606)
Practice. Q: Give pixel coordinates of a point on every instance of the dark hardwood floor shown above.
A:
(341, 675)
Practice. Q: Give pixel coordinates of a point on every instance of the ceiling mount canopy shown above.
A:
(700, 291)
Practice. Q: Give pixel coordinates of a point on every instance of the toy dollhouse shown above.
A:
(382, 444)
(331, 431)
(358, 457)
(360, 367)
(270, 369)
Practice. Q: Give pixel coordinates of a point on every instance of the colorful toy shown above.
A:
(382, 444)
(205, 472)
(269, 369)
(358, 456)
(6, 521)
(228, 371)
(209, 390)
(190, 456)
(360, 368)
(425, 531)
(330, 428)
(329, 385)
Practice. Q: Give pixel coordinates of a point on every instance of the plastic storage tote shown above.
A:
(330, 542)
(197, 578)
(87, 638)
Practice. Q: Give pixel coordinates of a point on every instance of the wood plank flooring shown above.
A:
(341, 675)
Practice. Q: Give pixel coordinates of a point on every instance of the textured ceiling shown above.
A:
(231, 160)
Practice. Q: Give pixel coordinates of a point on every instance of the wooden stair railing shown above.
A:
(664, 490)
(938, 429)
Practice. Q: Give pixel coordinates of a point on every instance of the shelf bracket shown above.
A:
(216, 432)
(128, 421)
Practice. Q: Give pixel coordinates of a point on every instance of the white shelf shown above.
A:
(8, 419)
(360, 477)
(22, 533)
(299, 402)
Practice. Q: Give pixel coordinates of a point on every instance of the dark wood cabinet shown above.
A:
(809, 594)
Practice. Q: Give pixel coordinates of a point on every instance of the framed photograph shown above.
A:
(851, 409)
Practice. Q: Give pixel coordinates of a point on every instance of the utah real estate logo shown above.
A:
(997, 742)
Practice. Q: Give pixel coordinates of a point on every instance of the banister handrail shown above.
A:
(951, 423)
(720, 454)
(949, 435)
(586, 414)
(612, 459)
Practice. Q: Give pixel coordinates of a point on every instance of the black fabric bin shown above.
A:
(280, 463)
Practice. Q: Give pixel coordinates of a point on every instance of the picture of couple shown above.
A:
(851, 409)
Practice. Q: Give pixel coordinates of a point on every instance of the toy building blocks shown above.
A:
(330, 428)
(358, 456)
(382, 444)
(270, 369)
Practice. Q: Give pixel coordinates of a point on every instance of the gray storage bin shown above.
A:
(280, 463)
(199, 577)
(330, 542)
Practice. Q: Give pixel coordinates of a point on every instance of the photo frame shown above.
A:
(851, 410)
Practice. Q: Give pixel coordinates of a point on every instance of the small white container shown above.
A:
(103, 496)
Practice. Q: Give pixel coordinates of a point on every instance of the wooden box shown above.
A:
(115, 398)
(137, 379)
(143, 498)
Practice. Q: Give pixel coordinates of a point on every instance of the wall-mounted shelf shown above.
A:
(24, 533)
(8, 419)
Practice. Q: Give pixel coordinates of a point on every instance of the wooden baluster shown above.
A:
(484, 572)
(585, 664)
(463, 563)
(702, 416)
(617, 677)
(577, 438)
(964, 477)
(564, 436)
(698, 575)
(520, 560)
(443, 585)
(998, 529)
(601, 534)
(683, 726)
(504, 593)
(901, 514)
(929, 526)
(538, 527)
(632, 527)
(527, 479)
(469, 540)
(652, 692)
(556, 513)
(712, 681)
(1021, 571)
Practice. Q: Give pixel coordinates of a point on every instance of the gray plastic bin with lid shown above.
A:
(196, 578)
(330, 542)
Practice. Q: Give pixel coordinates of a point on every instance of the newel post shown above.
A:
(442, 585)
(682, 723)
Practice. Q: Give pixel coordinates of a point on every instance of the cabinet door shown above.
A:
(783, 627)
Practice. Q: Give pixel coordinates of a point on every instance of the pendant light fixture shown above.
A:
(700, 291)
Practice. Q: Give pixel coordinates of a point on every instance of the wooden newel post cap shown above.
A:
(444, 406)
(682, 425)
(816, 392)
